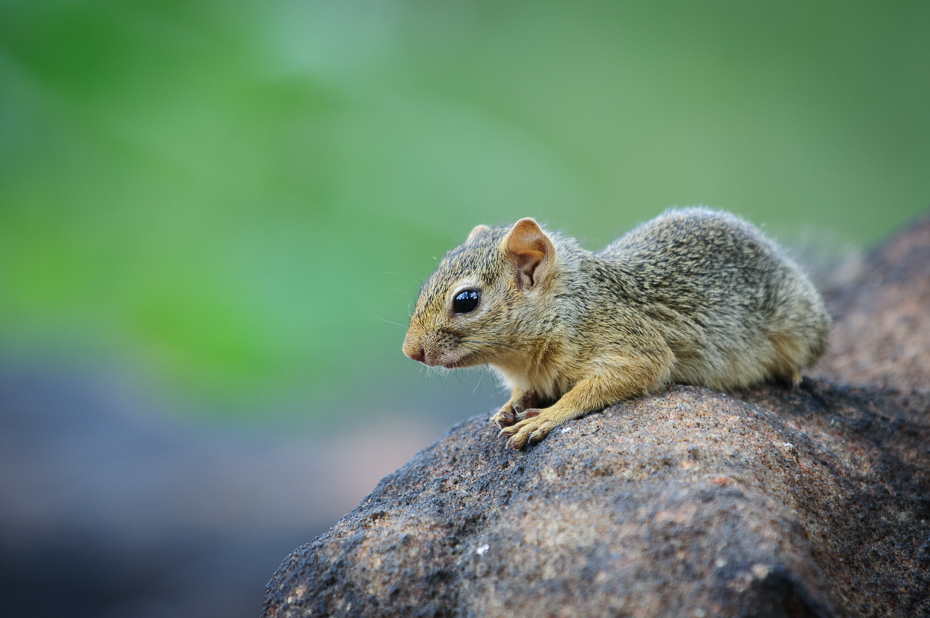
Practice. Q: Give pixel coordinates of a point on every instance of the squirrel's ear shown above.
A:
(478, 231)
(530, 251)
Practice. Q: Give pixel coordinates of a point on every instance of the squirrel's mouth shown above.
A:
(454, 363)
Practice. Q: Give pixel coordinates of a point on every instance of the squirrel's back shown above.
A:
(732, 307)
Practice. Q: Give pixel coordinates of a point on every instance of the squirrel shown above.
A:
(694, 296)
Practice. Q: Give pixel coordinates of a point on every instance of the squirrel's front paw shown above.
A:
(505, 417)
(516, 410)
(532, 429)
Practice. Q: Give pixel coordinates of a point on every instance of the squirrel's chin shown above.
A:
(458, 363)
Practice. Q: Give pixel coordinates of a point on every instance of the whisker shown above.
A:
(480, 378)
(390, 322)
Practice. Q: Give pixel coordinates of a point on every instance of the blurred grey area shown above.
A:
(113, 509)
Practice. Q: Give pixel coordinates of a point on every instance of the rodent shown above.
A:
(694, 296)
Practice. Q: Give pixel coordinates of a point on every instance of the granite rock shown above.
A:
(881, 335)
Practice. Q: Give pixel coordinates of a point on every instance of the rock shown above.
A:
(806, 503)
(882, 331)
(775, 502)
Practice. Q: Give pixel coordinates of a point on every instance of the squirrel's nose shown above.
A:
(414, 350)
(418, 354)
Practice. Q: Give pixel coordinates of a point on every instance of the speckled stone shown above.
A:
(881, 335)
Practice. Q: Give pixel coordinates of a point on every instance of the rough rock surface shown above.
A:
(882, 331)
(775, 502)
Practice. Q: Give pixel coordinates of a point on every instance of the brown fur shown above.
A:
(693, 296)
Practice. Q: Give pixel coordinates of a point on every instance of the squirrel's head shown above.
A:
(476, 308)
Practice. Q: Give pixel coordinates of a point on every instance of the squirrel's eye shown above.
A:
(466, 301)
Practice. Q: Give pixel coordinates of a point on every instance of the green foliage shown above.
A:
(245, 195)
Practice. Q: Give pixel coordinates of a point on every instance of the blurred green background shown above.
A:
(238, 201)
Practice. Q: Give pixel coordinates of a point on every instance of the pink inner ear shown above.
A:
(528, 263)
(530, 248)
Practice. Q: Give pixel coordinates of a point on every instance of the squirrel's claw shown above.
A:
(520, 407)
(507, 416)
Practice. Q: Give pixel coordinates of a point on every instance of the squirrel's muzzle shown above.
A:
(415, 352)
(413, 347)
